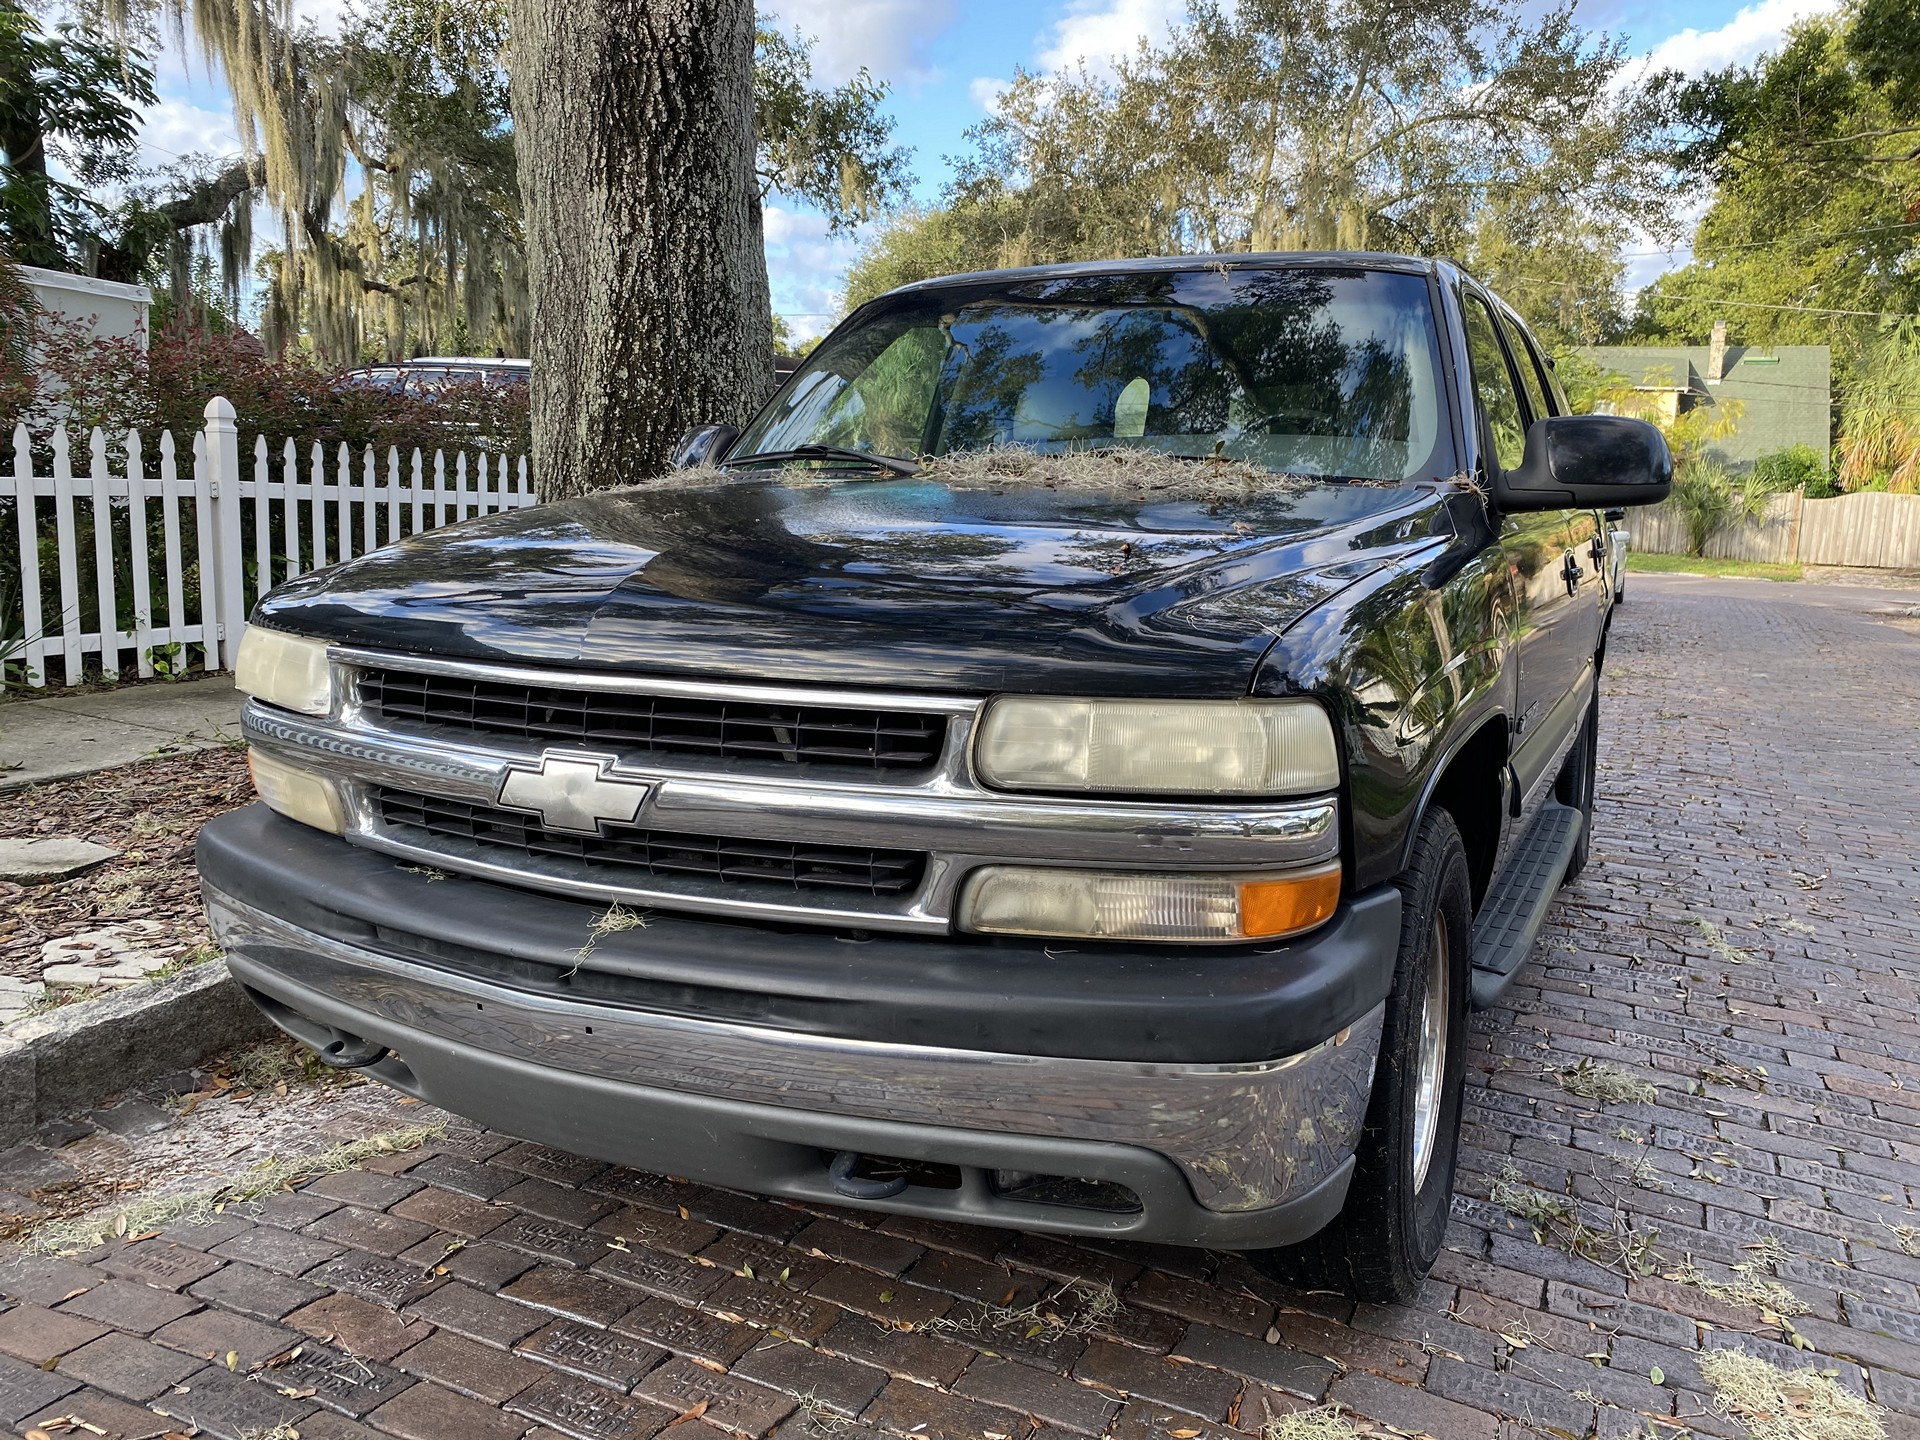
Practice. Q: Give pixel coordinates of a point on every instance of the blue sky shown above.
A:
(942, 58)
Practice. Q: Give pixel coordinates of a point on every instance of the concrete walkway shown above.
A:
(43, 740)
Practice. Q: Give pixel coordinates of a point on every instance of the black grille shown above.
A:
(873, 740)
(625, 854)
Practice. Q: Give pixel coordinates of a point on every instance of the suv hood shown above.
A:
(907, 584)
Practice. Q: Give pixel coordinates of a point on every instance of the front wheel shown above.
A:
(1382, 1244)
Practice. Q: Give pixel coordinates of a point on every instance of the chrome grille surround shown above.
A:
(943, 813)
(875, 741)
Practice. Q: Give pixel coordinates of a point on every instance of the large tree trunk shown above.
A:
(633, 122)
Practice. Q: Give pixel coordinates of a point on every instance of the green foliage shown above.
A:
(1703, 496)
(1879, 446)
(1812, 158)
(1792, 468)
(1646, 561)
(916, 245)
(828, 147)
(1587, 382)
(1460, 127)
(388, 151)
(71, 97)
(1709, 500)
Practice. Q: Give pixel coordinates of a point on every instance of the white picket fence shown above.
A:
(296, 511)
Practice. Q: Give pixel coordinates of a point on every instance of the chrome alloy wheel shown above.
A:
(1431, 1081)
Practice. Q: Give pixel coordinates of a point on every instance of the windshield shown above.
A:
(1309, 371)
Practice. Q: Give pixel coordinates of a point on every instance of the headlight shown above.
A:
(1158, 747)
(1107, 905)
(284, 670)
(298, 794)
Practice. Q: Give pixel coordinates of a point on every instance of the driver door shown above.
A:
(1550, 670)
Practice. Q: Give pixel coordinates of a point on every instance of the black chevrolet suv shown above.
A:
(1111, 848)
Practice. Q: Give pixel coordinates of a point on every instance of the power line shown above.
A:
(1782, 240)
(1544, 281)
(1759, 305)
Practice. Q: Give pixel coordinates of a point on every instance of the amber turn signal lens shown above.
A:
(1286, 907)
(1197, 906)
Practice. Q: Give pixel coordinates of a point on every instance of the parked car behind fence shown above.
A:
(430, 375)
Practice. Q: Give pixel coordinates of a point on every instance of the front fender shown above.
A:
(1410, 674)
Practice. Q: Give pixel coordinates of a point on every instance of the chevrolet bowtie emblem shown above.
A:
(573, 792)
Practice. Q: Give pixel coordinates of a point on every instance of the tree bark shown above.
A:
(209, 199)
(633, 127)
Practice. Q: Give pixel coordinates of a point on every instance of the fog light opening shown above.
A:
(1075, 1192)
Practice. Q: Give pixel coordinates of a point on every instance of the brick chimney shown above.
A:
(1717, 354)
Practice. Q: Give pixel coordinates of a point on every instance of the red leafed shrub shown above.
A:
(84, 381)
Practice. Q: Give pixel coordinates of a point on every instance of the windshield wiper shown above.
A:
(893, 464)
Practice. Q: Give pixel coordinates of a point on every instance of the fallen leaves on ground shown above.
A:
(150, 811)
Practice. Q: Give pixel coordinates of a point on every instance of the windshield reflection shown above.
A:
(1308, 371)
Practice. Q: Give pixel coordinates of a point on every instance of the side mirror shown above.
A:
(1587, 462)
(704, 445)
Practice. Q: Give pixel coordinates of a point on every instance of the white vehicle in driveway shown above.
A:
(1617, 553)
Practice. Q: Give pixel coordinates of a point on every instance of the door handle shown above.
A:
(1599, 554)
(1570, 572)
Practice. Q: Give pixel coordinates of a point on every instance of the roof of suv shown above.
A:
(1147, 265)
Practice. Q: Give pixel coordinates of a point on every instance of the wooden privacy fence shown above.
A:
(162, 554)
(1868, 528)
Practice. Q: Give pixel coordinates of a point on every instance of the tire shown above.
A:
(1386, 1238)
(1579, 778)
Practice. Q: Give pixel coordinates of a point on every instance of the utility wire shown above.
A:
(1650, 292)
(1758, 305)
(1782, 240)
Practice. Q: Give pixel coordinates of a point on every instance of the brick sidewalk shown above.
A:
(1747, 941)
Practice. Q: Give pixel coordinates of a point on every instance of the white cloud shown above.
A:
(177, 127)
(327, 15)
(985, 91)
(1098, 32)
(888, 37)
(806, 266)
(1755, 31)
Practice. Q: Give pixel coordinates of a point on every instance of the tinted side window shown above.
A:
(1493, 383)
(1530, 380)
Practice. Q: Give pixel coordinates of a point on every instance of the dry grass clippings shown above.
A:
(1596, 1080)
(616, 919)
(269, 1177)
(1775, 1404)
(1323, 1422)
(1120, 470)
(1080, 1307)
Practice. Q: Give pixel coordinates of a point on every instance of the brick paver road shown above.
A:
(1747, 941)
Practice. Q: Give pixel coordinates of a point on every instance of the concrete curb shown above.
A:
(70, 1059)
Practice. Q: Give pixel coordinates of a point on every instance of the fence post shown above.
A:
(223, 461)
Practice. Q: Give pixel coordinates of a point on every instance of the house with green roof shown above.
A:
(1783, 394)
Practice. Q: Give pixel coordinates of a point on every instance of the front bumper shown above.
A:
(1228, 1155)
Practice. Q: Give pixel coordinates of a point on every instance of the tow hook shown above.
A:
(840, 1173)
(349, 1052)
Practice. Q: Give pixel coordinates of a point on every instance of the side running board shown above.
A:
(1514, 911)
